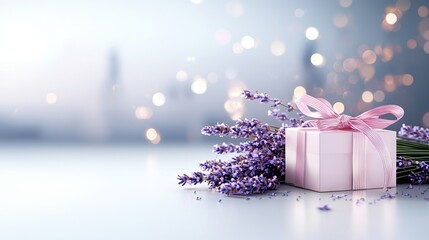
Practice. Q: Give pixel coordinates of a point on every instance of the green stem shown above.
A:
(406, 171)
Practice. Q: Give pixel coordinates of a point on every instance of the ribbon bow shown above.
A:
(327, 119)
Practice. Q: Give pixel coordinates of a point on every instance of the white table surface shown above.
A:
(131, 192)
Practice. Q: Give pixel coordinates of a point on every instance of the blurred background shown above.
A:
(158, 71)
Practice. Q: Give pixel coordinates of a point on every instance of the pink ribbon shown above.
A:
(327, 119)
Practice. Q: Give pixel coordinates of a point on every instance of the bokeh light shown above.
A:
(317, 60)
(298, 91)
(237, 48)
(158, 99)
(426, 47)
(379, 96)
(389, 83)
(143, 113)
(51, 98)
(181, 76)
(350, 64)
(338, 107)
(196, 1)
(411, 43)
(235, 8)
(403, 5)
(425, 119)
(407, 79)
(340, 20)
(223, 36)
(387, 54)
(423, 11)
(235, 108)
(333, 50)
(369, 57)
(230, 74)
(248, 42)
(367, 96)
(345, 3)
(391, 18)
(151, 134)
(212, 77)
(311, 33)
(278, 48)
(199, 86)
(235, 89)
(299, 13)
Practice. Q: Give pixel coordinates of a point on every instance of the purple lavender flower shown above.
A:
(224, 148)
(422, 176)
(248, 94)
(264, 98)
(276, 102)
(220, 129)
(414, 132)
(196, 178)
(260, 161)
(290, 108)
(247, 185)
(402, 162)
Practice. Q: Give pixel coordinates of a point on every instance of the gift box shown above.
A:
(337, 160)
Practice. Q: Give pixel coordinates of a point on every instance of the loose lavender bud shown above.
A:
(325, 208)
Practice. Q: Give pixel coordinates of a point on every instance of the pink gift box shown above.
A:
(336, 160)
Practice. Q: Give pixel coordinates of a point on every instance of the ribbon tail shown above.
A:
(380, 147)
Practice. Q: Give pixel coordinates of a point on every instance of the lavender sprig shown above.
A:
(417, 133)
(413, 154)
(260, 162)
(282, 116)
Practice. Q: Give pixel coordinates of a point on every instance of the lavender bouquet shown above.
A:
(413, 154)
(259, 161)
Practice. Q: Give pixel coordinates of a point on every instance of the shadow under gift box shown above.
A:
(330, 162)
